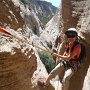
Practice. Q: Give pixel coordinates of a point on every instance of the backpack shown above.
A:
(82, 56)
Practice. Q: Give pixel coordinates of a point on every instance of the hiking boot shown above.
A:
(42, 83)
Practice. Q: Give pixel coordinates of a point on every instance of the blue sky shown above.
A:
(54, 2)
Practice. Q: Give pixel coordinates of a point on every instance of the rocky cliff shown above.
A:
(75, 13)
(43, 9)
(51, 30)
(15, 15)
(10, 15)
(20, 65)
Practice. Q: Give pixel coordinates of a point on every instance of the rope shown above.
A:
(23, 40)
(28, 42)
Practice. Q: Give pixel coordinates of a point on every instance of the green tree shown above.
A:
(23, 1)
(47, 60)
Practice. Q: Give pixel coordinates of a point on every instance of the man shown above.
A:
(67, 65)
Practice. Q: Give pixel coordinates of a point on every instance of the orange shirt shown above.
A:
(77, 50)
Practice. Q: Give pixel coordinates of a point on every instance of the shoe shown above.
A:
(42, 83)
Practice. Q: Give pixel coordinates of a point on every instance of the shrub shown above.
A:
(47, 60)
(23, 1)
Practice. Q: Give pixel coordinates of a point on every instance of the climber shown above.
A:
(68, 64)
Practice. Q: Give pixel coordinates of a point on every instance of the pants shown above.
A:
(65, 74)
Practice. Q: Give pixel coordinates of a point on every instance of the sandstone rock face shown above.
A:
(75, 13)
(16, 71)
(15, 14)
(51, 31)
(15, 68)
(20, 65)
(10, 15)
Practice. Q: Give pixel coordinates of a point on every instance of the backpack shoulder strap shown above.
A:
(75, 44)
(82, 54)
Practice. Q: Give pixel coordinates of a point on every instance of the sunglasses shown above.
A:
(71, 36)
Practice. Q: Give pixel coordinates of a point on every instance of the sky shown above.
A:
(54, 2)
